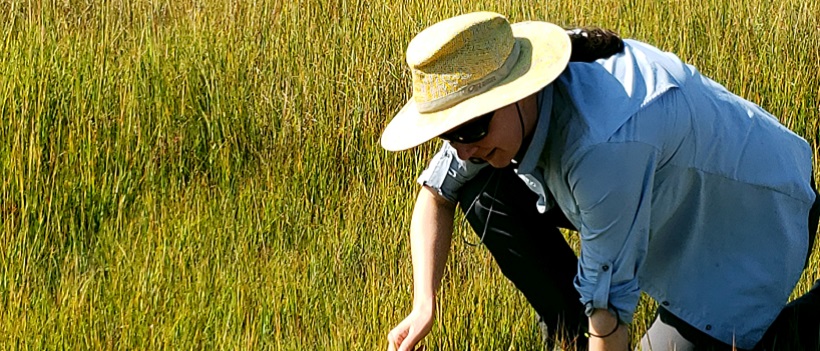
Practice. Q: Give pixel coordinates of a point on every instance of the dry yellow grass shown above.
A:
(206, 174)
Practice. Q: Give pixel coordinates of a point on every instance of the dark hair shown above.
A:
(591, 43)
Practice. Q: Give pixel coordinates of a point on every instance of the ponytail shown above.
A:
(590, 44)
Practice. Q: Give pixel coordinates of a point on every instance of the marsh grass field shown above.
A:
(206, 174)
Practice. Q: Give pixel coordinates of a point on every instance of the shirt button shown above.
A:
(605, 268)
(708, 327)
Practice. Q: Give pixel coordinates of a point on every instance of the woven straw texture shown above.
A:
(444, 59)
(544, 54)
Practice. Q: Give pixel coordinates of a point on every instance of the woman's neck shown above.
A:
(529, 119)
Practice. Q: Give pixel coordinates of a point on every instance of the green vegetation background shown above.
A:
(206, 174)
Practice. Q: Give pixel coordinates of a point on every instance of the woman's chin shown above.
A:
(499, 162)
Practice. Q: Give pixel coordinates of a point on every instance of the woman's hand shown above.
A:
(412, 329)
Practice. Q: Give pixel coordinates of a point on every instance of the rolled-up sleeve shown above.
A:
(446, 173)
(612, 186)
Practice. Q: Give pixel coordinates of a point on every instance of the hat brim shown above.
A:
(545, 52)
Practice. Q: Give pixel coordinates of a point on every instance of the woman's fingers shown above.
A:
(408, 333)
(397, 335)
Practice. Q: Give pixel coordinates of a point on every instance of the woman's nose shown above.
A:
(464, 151)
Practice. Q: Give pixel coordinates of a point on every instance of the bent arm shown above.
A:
(612, 184)
(431, 230)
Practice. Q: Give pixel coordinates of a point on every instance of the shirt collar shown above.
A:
(539, 137)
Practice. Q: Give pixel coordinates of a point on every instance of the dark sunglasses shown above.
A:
(471, 131)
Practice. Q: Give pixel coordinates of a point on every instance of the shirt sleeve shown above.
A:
(612, 186)
(446, 173)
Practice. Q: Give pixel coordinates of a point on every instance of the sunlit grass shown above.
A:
(207, 175)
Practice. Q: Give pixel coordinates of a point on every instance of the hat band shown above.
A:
(472, 89)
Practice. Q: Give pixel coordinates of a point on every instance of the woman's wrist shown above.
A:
(606, 332)
(425, 304)
(603, 323)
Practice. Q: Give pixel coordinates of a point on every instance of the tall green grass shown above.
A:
(206, 174)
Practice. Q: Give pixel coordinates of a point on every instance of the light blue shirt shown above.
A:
(679, 188)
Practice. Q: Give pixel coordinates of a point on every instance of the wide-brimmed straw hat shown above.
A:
(472, 64)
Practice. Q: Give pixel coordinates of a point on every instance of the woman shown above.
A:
(677, 187)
